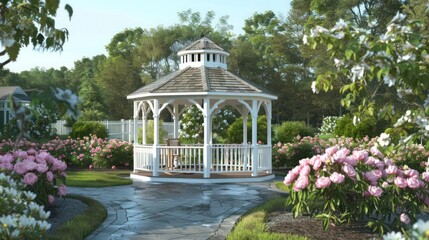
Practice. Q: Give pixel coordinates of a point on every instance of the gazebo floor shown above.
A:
(227, 177)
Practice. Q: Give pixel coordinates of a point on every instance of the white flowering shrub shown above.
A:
(20, 216)
(419, 230)
(328, 125)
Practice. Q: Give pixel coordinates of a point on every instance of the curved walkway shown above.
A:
(149, 210)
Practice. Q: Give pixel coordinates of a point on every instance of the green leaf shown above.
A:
(13, 51)
(69, 9)
(348, 54)
(52, 6)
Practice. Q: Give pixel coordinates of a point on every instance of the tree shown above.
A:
(25, 22)
(395, 62)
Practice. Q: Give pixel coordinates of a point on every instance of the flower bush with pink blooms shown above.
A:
(354, 183)
(38, 171)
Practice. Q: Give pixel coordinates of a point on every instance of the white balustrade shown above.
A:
(189, 158)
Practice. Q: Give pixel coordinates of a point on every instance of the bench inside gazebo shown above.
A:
(203, 81)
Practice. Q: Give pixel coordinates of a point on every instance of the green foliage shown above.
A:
(235, 131)
(86, 128)
(287, 131)
(149, 133)
(31, 22)
(366, 127)
(115, 153)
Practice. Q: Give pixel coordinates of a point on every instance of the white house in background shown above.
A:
(203, 81)
(19, 96)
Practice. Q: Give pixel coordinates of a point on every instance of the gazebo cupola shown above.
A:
(203, 53)
(202, 80)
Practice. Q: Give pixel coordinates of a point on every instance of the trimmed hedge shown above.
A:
(86, 128)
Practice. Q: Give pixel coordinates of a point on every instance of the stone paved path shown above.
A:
(148, 210)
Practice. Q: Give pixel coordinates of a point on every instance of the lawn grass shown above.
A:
(282, 186)
(83, 224)
(97, 178)
(252, 224)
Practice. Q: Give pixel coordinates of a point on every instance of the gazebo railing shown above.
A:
(143, 157)
(185, 159)
(265, 158)
(231, 158)
(189, 158)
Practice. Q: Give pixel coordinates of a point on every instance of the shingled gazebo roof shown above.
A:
(201, 78)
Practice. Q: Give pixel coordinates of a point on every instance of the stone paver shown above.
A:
(148, 210)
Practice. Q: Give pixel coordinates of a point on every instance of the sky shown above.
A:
(95, 22)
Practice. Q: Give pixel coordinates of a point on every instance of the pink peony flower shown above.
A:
(413, 182)
(385, 185)
(349, 170)
(373, 176)
(113, 167)
(49, 176)
(391, 169)
(20, 168)
(375, 191)
(30, 178)
(300, 183)
(126, 164)
(400, 182)
(351, 160)
(340, 155)
(20, 154)
(91, 167)
(425, 176)
(370, 161)
(297, 169)
(330, 151)
(411, 172)
(337, 177)
(290, 177)
(305, 170)
(360, 155)
(323, 182)
(31, 151)
(62, 190)
(42, 168)
(374, 151)
(51, 199)
(317, 163)
(404, 218)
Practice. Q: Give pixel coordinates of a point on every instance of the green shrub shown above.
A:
(289, 154)
(149, 133)
(85, 128)
(114, 153)
(369, 126)
(287, 131)
(235, 130)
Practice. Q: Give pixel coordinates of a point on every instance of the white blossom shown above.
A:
(403, 92)
(338, 62)
(314, 87)
(357, 72)
(305, 39)
(420, 228)
(356, 120)
(389, 80)
(398, 17)
(340, 25)
(393, 236)
(384, 139)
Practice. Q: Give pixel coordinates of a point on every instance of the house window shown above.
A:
(186, 58)
(214, 57)
(208, 57)
(193, 58)
(199, 57)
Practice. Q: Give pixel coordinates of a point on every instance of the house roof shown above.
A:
(15, 91)
(200, 79)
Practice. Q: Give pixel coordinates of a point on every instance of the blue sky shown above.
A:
(95, 22)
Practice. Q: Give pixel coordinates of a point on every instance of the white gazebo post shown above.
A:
(255, 153)
(144, 123)
(135, 118)
(155, 113)
(269, 118)
(244, 114)
(207, 134)
(176, 116)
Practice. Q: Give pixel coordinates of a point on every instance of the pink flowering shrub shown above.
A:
(113, 153)
(38, 171)
(91, 150)
(353, 183)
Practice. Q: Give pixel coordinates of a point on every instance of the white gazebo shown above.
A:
(204, 81)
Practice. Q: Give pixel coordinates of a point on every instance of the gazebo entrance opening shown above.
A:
(207, 85)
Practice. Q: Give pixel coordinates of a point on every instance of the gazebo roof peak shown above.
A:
(203, 52)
